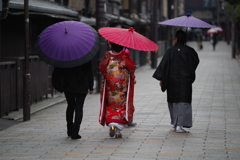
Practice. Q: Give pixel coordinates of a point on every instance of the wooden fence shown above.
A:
(12, 82)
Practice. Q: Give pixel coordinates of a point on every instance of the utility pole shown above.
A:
(154, 31)
(3, 14)
(227, 27)
(27, 76)
(233, 30)
(100, 22)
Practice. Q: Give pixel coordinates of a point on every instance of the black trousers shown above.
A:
(75, 103)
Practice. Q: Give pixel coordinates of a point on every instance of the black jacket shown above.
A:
(78, 79)
(177, 73)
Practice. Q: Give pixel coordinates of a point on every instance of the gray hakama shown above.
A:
(181, 114)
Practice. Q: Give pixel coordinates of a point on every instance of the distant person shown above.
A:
(78, 82)
(117, 90)
(176, 73)
(214, 38)
(199, 41)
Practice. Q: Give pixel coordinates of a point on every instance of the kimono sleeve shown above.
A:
(130, 64)
(195, 60)
(161, 73)
(157, 74)
(103, 64)
(193, 64)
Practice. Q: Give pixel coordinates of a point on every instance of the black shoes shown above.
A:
(69, 133)
(76, 137)
(72, 131)
(75, 130)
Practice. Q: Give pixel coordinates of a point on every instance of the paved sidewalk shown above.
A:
(214, 136)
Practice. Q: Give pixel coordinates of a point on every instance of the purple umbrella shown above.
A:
(187, 21)
(67, 44)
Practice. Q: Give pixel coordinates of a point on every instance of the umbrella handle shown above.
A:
(186, 33)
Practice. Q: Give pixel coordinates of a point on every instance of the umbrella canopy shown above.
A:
(67, 44)
(212, 31)
(128, 38)
(187, 21)
(219, 29)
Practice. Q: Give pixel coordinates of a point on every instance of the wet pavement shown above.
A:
(215, 134)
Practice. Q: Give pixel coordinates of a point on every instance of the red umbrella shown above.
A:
(128, 38)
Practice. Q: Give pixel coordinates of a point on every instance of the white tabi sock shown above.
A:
(179, 128)
(117, 131)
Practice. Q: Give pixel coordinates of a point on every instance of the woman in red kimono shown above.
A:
(117, 87)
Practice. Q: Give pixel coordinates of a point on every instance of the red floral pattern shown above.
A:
(116, 70)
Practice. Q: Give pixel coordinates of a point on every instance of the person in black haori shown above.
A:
(176, 73)
(78, 82)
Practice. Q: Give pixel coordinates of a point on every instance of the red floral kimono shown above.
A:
(117, 88)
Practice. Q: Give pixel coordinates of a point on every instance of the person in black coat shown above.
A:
(176, 73)
(78, 82)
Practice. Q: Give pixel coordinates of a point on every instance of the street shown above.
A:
(215, 134)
